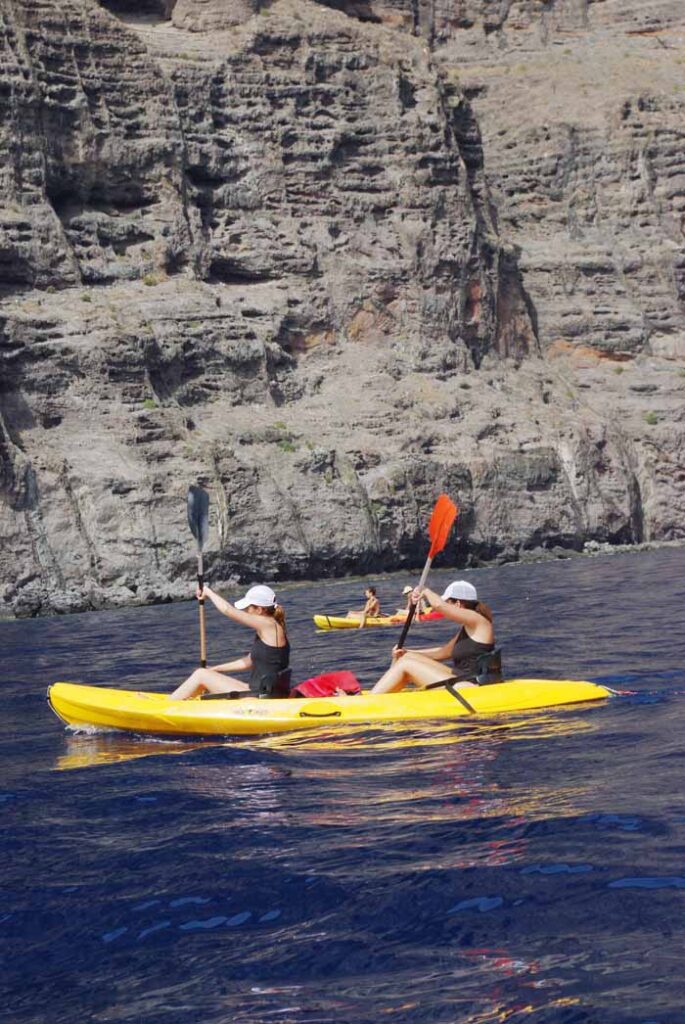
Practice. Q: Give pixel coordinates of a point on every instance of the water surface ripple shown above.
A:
(505, 870)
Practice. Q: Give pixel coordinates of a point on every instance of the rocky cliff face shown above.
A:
(330, 259)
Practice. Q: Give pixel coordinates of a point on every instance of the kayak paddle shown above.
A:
(442, 518)
(198, 521)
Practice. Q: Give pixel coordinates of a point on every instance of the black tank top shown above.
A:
(465, 657)
(267, 664)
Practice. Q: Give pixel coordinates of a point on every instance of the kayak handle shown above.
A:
(324, 714)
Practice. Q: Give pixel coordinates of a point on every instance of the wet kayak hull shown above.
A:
(86, 707)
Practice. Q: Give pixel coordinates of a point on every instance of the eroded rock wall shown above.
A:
(581, 108)
(271, 247)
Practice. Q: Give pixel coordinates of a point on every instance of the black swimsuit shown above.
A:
(466, 657)
(268, 667)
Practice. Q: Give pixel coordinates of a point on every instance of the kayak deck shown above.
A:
(154, 713)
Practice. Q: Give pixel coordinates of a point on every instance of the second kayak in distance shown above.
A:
(328, 622)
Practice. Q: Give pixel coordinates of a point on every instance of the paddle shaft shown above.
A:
(201, 602)
(412, 607)
(197, 506)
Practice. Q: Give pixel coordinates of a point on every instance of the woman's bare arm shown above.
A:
(239, 665)
(230, 611)
(479, 628)
(436, 653)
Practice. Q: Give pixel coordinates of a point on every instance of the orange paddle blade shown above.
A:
(444, 514)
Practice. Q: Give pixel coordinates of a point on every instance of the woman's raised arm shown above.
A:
(230, 611)
(464, 616)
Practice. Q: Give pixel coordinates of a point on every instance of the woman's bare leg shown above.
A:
(207, 679)
(412, 668)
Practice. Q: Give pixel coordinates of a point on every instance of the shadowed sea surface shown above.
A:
(521, 868)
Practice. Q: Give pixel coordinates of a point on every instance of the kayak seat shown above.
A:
(489, 668)
(488, 671)
(281, 687)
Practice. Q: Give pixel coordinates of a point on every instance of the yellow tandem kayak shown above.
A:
(154, 713)
(328, 622)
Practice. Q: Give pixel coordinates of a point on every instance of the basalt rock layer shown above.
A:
(329, 259)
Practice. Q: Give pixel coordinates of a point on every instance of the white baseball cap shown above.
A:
(261, 596)
(407, 590)
(460, 590)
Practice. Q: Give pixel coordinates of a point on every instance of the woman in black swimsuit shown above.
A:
(268, 658)
(463, 652)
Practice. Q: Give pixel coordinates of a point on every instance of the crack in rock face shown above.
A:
(329, 259)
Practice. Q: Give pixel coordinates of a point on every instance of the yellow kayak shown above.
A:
(154, 713)
(327, 622)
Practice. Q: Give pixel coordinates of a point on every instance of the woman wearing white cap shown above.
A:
(464, 653)
(423, 608)
(268, 658)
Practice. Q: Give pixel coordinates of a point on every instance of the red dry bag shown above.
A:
(330, 684)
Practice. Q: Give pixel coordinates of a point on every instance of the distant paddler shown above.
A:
(371, 610)
(423, 608)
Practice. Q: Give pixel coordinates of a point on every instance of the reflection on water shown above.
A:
(520, 868)
(87, 748)
(397, 736)
(90, 751)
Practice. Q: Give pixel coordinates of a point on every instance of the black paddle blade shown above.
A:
(198, 515)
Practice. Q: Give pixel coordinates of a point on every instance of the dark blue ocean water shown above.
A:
(519, 869)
